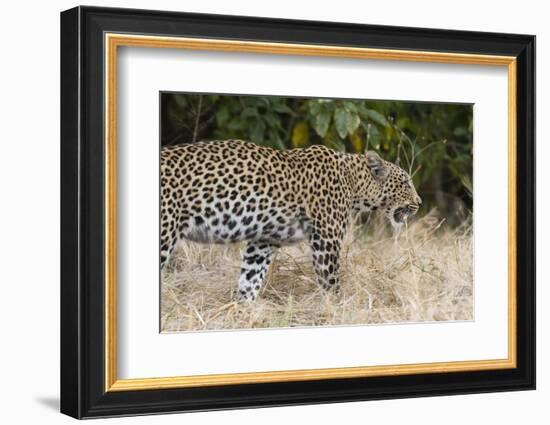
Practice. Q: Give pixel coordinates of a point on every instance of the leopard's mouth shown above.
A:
(401, 214)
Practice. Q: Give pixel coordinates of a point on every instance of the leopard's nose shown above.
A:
(418, 200)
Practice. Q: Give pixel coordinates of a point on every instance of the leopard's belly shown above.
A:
(223, 227)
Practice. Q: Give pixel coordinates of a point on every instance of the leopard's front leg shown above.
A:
(326, 260)
(254, 265)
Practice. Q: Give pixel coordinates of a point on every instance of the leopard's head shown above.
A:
(397, 196)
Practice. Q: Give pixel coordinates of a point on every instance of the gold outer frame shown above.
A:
(113, 41)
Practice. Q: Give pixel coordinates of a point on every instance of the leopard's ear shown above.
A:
(377, 166)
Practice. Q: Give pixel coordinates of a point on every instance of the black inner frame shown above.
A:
(82, 212)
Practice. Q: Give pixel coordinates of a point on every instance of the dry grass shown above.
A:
(426, 274)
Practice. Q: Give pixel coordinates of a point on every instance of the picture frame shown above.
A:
(90, 40)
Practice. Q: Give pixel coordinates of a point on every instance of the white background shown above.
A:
(29, 224)
(145, 72)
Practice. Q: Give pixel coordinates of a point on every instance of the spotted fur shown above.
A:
(233, 190)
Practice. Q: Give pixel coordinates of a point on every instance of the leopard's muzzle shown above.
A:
(401, 214)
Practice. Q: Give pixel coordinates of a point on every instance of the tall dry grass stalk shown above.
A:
(423, 274)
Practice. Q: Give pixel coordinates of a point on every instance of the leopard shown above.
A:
(237, 191)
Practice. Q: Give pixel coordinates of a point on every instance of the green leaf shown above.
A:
(375, 116)
(321, 122)
(346, 122)
(335, 144)
(283, 109)
(352, 122)
(350, 106)
(276, 140)
(340, 121)
(314, 107)
(373, 136)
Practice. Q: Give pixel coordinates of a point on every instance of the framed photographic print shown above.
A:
(261, 212)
